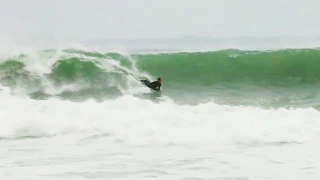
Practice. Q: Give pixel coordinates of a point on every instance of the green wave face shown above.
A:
(271, 78)
(284, 68)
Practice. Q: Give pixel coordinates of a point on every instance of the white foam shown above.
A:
(137, 121)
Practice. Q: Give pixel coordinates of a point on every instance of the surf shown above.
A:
(132, 120)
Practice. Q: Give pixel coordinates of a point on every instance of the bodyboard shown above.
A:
(146, 83)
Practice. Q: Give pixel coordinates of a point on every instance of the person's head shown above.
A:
(159, 80)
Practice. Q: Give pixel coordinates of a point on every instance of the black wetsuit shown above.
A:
(155, 85)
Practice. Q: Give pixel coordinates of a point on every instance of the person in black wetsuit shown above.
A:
(155, 85)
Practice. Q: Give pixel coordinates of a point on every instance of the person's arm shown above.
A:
(158, 88)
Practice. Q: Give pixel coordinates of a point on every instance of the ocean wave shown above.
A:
(277, 77)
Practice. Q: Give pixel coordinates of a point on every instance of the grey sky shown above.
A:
(87, 19)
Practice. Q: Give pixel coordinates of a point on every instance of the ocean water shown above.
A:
(80, 113)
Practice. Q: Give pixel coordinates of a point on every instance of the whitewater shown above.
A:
(77, 113)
